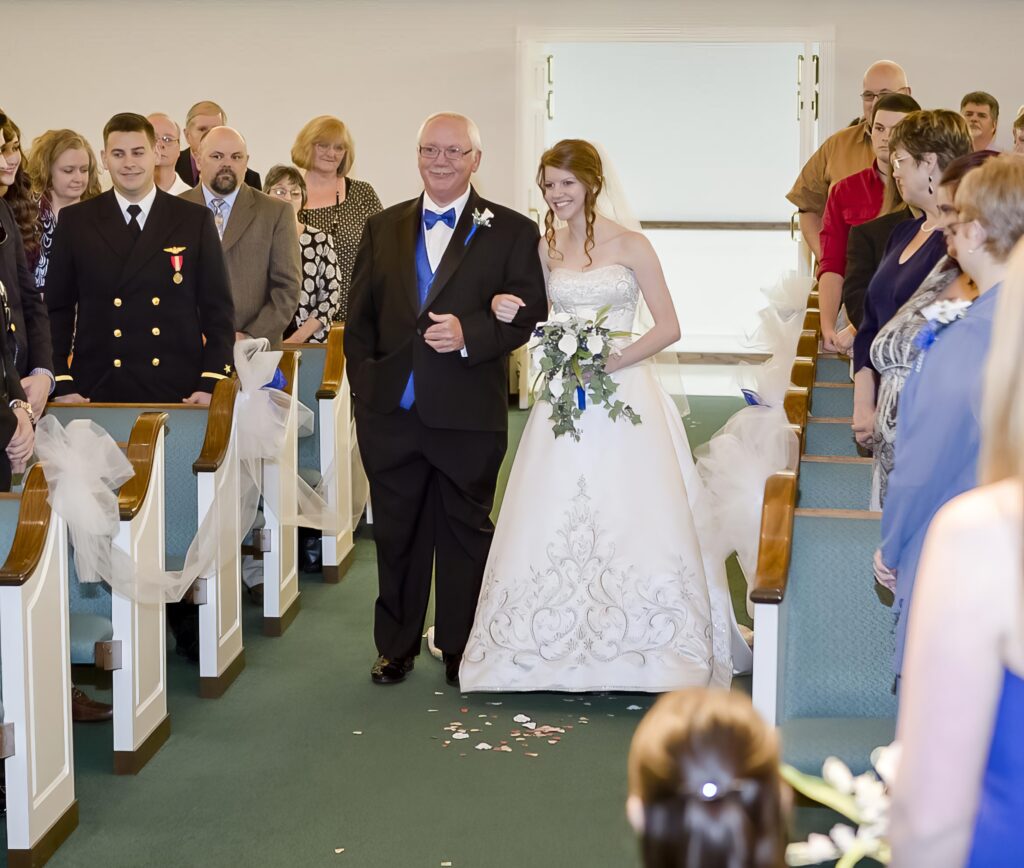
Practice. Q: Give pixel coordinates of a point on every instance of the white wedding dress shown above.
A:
(601, 574)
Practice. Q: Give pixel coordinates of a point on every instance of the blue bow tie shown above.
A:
(430, 218)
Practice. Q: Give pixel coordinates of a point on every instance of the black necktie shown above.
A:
(133, 225)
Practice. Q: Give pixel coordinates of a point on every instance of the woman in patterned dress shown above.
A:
(335, 202)
(895, 348)
(63, 171)
(320, 290)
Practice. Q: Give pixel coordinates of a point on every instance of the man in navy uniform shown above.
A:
(137, 290)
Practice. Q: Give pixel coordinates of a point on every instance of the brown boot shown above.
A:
(86, 710)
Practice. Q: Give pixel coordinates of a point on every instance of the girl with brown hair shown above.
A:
(603, 573)
(704, 785)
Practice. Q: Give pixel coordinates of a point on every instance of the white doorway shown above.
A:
(707, 131)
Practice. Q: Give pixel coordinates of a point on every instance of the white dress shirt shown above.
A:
(179, 186)
(145, 205)
(437, 237)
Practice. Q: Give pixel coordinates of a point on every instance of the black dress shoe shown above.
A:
(391, 670)
(451, 668)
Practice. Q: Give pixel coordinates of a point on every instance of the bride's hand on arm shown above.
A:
(505, 306)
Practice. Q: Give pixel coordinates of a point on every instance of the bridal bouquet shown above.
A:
(572, 354)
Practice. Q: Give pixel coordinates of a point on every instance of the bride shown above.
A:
(601, 574)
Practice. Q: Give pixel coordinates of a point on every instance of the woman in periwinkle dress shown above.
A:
(601, 575)
(958, 797)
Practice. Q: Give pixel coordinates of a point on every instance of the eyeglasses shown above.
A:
(897, 161)
(873, 95)
(431, 152)
(168, 140)
(285, 193)
(325, 146)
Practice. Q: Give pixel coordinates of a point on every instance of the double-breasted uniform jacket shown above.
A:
(261, 250)
(28, 332)
(143, 320)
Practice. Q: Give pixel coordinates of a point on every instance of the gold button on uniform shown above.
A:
(156, 331)
(156, 300)
(117, 302)
(117, 333)
(156, 362)
(117, 363)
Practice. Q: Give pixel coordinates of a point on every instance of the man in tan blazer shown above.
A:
(261, 246)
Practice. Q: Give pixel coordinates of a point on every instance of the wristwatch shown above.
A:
(18, 404)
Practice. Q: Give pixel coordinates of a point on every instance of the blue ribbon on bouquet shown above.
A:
(581, 398)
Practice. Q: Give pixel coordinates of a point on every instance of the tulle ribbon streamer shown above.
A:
(85, 467)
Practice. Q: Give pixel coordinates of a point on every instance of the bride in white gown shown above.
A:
(601, 574)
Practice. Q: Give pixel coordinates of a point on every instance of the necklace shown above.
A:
(926, 228)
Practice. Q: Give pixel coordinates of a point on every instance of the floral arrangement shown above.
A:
(572, 354)
(863, 799)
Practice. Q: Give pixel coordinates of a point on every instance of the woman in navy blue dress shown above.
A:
(958, 798)
(920, 147)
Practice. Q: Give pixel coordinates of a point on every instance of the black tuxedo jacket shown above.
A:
(385, 326)
(29, 339)
(137, 335)
(184, 169)
(864, 251)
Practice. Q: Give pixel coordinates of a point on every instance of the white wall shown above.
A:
(382, 66)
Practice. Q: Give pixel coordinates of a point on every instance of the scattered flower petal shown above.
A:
(520, 718)
(460, 735)
(484, 746)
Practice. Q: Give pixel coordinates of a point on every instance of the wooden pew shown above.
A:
(323, 387)
(193, 486)
(36, 675)
(280, 556)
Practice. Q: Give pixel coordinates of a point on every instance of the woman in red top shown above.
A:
(855, 200)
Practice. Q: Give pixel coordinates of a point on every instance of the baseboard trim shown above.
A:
(334, 574)
(131, 762)
(47, 845)
(214, 687)
(276, 626)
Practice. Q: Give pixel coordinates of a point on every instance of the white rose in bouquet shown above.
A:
(568, 344)
(560, 317)
(595, 343)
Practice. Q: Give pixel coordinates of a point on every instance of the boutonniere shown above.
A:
(937, 316)
(479, 220)
(177, 261)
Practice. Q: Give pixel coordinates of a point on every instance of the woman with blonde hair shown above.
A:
(937, 434)
(63, 171)
(958, 797)
(335, 203)
(704, 785)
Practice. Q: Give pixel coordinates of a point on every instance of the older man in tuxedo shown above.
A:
(261, 246)
(427, 361)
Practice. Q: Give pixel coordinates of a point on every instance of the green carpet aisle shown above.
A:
(304, 757)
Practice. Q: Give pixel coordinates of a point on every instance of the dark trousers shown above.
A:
(432, 491)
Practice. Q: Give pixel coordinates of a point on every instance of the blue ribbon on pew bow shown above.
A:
(277, 381)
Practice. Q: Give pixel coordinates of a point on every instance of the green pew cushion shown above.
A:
(834, 486)
(86, 630)
(807, 741)
(828, 402)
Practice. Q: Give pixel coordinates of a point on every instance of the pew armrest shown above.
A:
(218, 427)
(289, 367)
(334, 364)
(795, 404)
(141, 452)
(776, 542)
(30, 537)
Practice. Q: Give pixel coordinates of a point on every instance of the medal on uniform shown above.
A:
(177, 260)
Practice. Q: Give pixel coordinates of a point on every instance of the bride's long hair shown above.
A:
(584, 162)
(705, 768)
